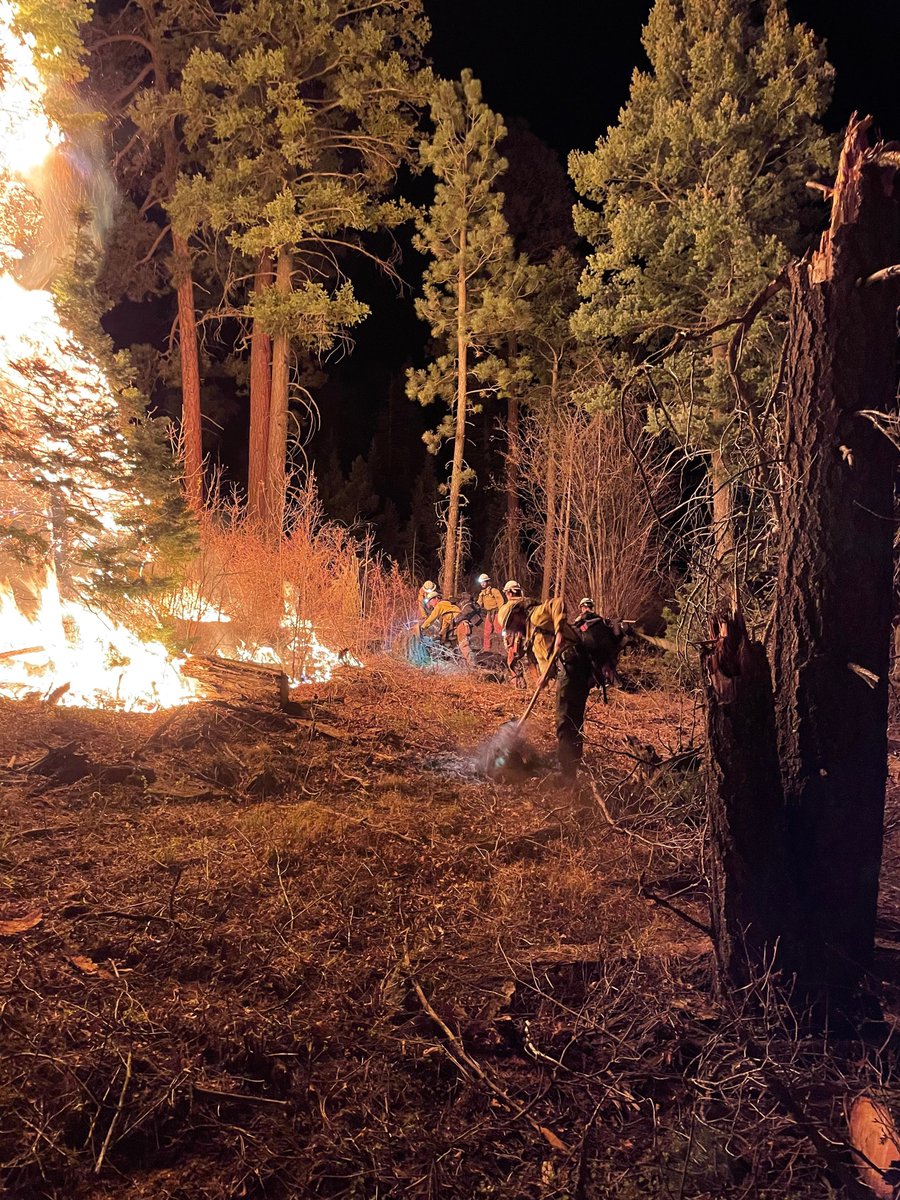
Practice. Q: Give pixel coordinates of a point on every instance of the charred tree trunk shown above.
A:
(832, 614)
(260, 400)
(753, 900)
(834, 593)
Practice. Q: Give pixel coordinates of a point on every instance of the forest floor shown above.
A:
(245, 953)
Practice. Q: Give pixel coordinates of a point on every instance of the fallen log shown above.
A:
(229, 679)
(20, 653)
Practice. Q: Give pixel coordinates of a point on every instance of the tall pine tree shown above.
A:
(694, 203)
(300, 114)
(473, 285)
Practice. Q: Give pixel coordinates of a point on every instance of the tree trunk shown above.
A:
(260, 401)
(550, 489)
(753, 901)
(722, 529)
(834, 593)
(563, 566)
(511, 480)
(451, 547)
(191, 424)
(832, 618)
(278, 412)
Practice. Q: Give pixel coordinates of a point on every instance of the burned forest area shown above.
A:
(449, 601)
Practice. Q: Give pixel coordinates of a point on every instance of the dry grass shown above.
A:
(321, 967)
(319, 575)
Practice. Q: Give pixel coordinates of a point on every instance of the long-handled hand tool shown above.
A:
(540, 687)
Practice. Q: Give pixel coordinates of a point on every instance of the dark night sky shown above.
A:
(566, 66)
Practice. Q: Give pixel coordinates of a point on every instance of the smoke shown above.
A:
(77, 195)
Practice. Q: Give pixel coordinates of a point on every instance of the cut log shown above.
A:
(874, 1136)
(21, 653)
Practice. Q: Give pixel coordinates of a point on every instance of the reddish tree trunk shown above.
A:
(832, 617)
(191, 421)
(278, 411)
(260, 400)
(453, 544)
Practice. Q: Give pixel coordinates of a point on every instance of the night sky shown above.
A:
(564, 69)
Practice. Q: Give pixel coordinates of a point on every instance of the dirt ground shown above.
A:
(245, 953)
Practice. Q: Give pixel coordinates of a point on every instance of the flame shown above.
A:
(97, 662)
(59, 646)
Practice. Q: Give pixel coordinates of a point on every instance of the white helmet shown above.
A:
(511, 588)
(482, 580)
(585, 602)
(429, 586)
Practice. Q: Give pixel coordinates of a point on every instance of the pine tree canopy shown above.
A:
(696, 199)
(465, 236)
(299, 114)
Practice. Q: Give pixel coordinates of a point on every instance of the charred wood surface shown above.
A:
(833, 606)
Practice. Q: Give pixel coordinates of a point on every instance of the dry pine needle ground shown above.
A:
(247, 954)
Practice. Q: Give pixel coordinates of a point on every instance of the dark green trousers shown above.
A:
(572, 690)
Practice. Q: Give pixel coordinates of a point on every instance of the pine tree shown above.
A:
(696, 202)
(138, 52)
(473, 286)
(89, 486)
(299, 114)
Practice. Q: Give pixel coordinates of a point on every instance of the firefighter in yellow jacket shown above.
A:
(490, 600)
(447, 617)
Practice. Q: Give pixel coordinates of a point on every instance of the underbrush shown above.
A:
(272, 595)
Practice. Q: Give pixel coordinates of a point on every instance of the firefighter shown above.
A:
(426, 597)
(451, 623)
(587, 610)
(585, 662)
(512, 618)
(490, 600)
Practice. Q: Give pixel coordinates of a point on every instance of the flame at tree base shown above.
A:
(82, 658)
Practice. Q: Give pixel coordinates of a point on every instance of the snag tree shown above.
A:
(798, 772)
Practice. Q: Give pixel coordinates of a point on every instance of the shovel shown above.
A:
(540, 687)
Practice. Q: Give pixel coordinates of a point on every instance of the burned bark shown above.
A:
(833, 606)
(753, 901)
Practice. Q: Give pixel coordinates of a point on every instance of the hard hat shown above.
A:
(429, 586)
(585, 602)
(511, 586)
(482, 580)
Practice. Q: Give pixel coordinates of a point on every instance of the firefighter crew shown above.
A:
(490, 600)
(451, 623)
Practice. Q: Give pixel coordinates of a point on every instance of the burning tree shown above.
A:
(87, 486)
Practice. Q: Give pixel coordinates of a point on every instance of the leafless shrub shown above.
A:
(318, 577)
(601, 492)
